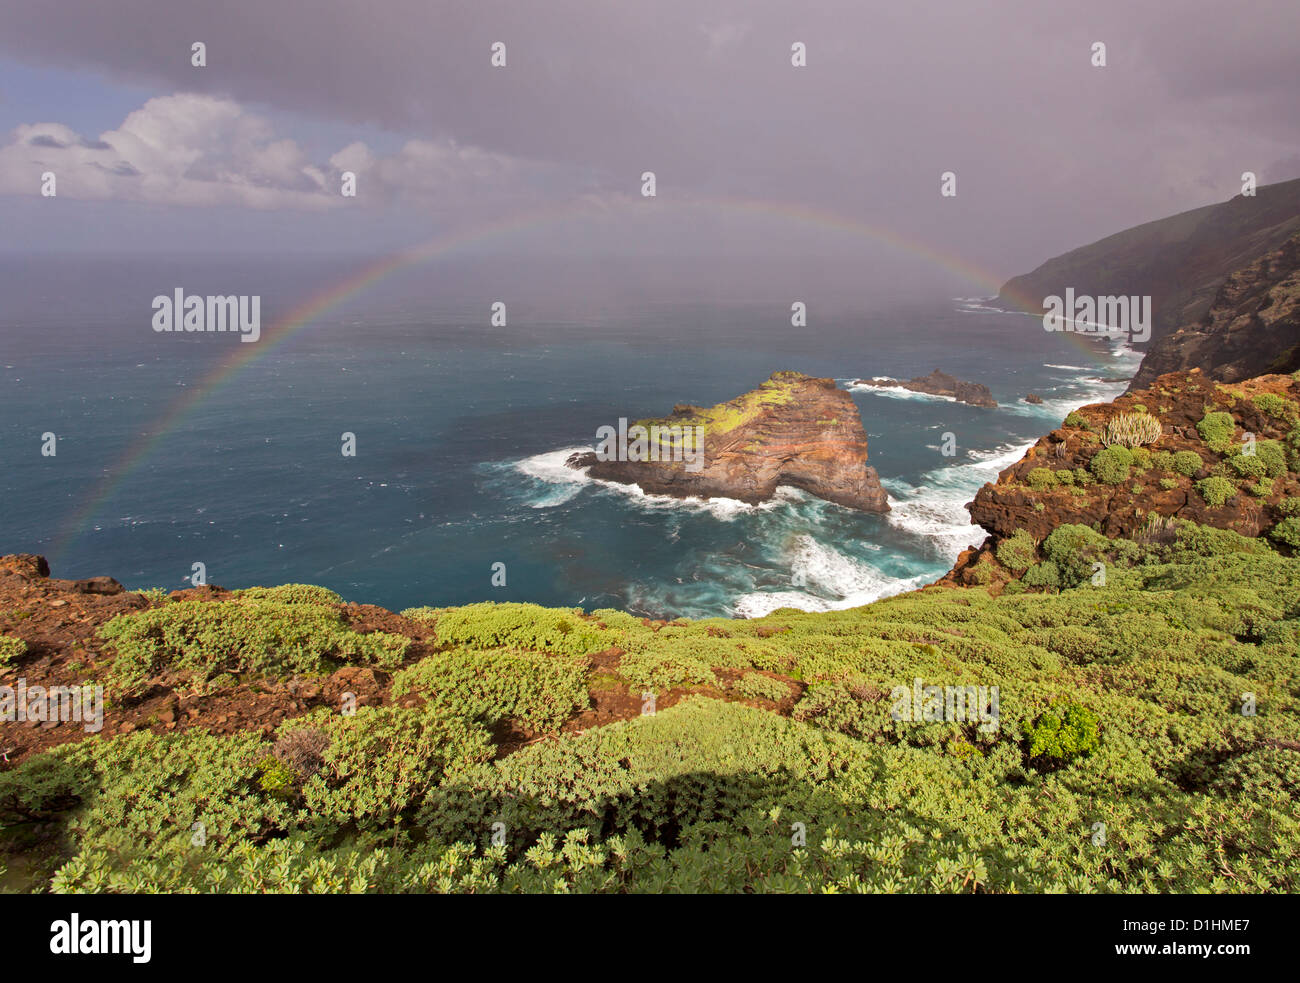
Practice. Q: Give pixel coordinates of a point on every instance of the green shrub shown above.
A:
(1062, 733)
(1076, 419)
(10, 649)
(41, 787)
(756, 686)
(1276, 406)
(540, 691)
(489, 625)
(1246, 465)
(1168, 484)
(841, 707)
(1040, 479)
(1187, 463)
(1082, 477)
(1043, 574)
(1162, 461)
(1273, 454)
(1215, 490)
(382, 762)
(1073, 549)
(1064, 477)
(1289, 506)
(1287, 532)
(1141, 459)
(657, 671)
(1217, 429)
(1195, 541)
(291, 594)
(191, 642)
(1111, 465)
(1018, 551)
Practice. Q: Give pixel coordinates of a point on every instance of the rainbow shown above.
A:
(313, 308)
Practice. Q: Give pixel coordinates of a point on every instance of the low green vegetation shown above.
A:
(10, 649)
(191, 642)
(1277, 406)
(1158, 699)
(540, 691)
(725, 417)
(528, 626)
(1017, 551)
(1217, 429)
(756, 686)
(1111, 465)
(291, 594)
(1216, 490)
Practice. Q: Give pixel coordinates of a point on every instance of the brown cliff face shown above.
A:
(1179, 261)
(1252, 326)
(792, 430)
(1023, 499)
(940, 384)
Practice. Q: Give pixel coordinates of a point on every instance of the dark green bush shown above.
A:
(1287, 532)
(191, 642)
(1217, 429)
(1063, 732)
(1043, 574)
(1040, 479)
(540, 691)
(1018, 551)
(1187, 463)
(1216, 490)
(1111, 464)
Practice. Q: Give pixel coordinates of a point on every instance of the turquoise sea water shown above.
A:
(462, 430)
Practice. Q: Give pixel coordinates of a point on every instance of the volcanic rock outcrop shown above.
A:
(1054, 483)
(939, 384)
(792, 430)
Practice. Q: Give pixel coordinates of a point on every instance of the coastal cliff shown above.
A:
(1185, 448)
(1180, 261)
(1252, 326)
(792, 430)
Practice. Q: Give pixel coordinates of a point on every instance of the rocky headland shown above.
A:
(793, 430)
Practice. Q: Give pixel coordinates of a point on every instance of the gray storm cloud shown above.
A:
(1049, 151)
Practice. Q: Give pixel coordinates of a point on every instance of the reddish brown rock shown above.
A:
(1179, 401)
(939, 384)
(792, 430)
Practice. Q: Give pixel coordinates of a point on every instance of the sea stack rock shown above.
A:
(939, 384)
(792, 430)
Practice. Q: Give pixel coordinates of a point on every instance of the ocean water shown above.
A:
(462, 430)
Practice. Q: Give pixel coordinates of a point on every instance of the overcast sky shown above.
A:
(753, 156)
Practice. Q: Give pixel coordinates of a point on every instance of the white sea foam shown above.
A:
(831, 579)
(934, 509)
(556, 483)
(896, 392)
